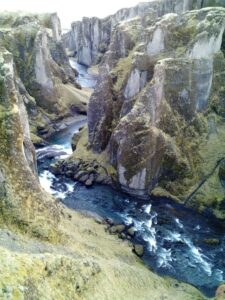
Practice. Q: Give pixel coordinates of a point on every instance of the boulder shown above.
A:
(90, 180)
(109, 221)
(122, 236)
(131, 231)
(220, 292)
(115, 229)
(75, 140)
(138, 250)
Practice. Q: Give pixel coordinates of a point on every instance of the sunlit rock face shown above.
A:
(89, 39)
(158, 109)
(135, 83)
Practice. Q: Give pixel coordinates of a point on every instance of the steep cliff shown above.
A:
(23, 203)
(42, 66)
(89, 39)
(156, 118)
(46, 250)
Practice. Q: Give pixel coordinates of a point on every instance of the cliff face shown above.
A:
(157, 114)
(23, 203)
(42, 66)
(89, 39)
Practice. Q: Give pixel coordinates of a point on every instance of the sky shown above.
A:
(69, 10)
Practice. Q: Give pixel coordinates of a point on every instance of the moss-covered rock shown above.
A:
(23, 203)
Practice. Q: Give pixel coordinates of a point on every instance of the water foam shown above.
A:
(199, 258)
(46, 180)
(164, 258)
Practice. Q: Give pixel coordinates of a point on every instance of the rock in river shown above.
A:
(138, 250)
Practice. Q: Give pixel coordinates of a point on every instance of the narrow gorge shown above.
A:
(112, 159)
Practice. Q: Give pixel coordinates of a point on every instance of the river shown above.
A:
(174, 237)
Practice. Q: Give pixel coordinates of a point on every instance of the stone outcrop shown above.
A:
(90, 38)
(157, 114)
(45, 77)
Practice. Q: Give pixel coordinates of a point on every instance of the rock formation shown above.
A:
(156, 118)
(89, 39)
(23, 203)
(46, 79)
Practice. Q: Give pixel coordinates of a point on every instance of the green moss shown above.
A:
(213, 3)
(122, 71)
(200, 124)
(46, 21)
(7, 20)
(180, 36)
(23, 55)
(20, 42)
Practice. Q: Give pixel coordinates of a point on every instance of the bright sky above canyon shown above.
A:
(69, 10)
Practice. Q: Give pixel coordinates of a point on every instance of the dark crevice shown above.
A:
(223, 44)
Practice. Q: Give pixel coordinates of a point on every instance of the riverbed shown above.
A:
(176, 239)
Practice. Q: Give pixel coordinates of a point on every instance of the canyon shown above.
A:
(155, 133)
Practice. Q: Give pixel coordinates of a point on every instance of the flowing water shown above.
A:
(173, 236)
(86, 78)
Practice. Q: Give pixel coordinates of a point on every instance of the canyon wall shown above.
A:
(89, 39)
(23, 203)
(156, 116)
